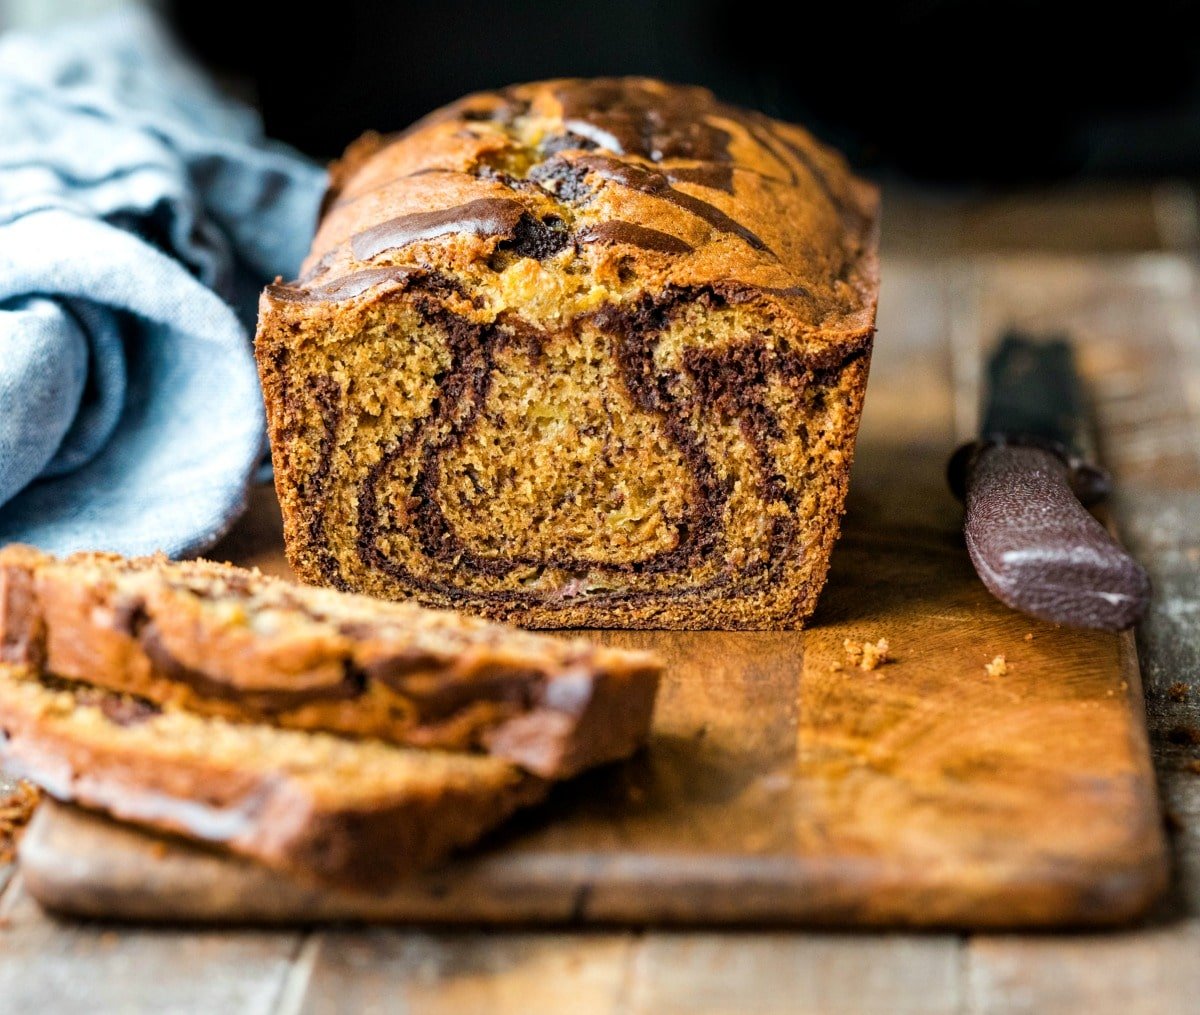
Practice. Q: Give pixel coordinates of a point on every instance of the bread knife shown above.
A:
(1025, 483)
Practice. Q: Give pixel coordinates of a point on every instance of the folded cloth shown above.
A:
(140, 212)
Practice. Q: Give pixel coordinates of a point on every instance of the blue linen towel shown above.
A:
(140, 212)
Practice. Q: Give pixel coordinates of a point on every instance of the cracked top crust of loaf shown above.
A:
(551, 200)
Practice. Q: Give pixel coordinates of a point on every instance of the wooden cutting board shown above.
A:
(782, 784)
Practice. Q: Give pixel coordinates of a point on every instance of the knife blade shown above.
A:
(1024, 484)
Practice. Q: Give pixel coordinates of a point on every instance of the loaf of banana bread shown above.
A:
(359, 813)
(577, 353)
(224, 641)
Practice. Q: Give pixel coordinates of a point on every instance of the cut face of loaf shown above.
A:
(224, 641)
(578, 353)
(357, 813)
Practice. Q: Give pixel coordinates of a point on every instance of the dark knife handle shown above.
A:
(1038, 550)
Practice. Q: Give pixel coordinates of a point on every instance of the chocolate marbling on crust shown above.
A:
(633, 235)
(223, 641)
(663, 200)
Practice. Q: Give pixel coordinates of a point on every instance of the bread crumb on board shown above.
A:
(1178, 691)
(16, 808)
(998, 667)
(1029, 636)
(867, 655)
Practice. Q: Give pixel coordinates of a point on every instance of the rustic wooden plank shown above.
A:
(1181, 794)
(814, 974)
(660, 972)
(65, 968)
(1162, 525)
(429, 974)
(1177, 215)
(1072, 218)
(876, 745)
(1144, 972)
(1136, 328)
(1133, 322)
(1023, 764)
(918, 224)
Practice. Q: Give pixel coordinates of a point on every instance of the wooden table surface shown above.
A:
(1119, 268)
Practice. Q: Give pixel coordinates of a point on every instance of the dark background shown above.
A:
(934, 90)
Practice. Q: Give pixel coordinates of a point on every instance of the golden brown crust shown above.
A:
(22, 633)
(761, 204)
(361, 814)
(228, 642)
(578, 353)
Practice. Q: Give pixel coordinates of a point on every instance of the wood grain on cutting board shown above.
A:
(782, 783)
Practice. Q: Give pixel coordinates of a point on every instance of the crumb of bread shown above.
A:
(874, 655)
(835, 666)
(1178, 691)
(867, 655)
(998, 667)
(16, 808)
(1029, 636)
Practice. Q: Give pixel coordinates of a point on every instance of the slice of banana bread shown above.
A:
(362, 813)
(577, 353)
(224, 641)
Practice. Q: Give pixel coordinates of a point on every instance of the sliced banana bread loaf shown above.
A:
(577, 353)
(224, 641)
(360, 813)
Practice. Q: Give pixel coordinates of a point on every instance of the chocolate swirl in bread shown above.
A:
(223, 641)
(577, 353)
(353, 813)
